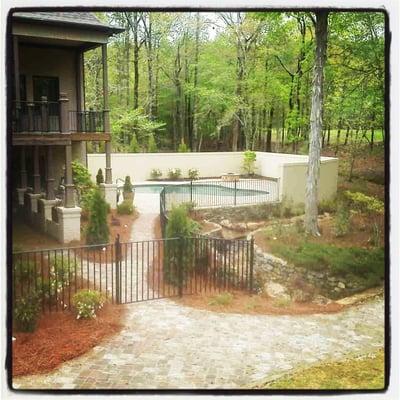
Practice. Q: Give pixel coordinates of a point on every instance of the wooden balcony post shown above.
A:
(64, 123)
(24, 177)
(50, 175)
(31, 122)
(44, 114)
(16, 70)
(69, 200)
(106, 113)
(36, 173)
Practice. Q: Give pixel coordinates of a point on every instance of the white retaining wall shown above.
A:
(289, 169)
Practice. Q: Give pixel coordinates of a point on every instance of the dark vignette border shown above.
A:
(387, 330)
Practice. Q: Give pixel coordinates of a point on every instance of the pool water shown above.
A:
(198, 189)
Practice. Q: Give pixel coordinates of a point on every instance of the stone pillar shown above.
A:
(69, 201)
(64, 122)
(106, 114)
(50, 175)
(69, 220)
(47, 206)
(36, 173)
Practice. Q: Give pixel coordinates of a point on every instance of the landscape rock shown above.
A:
(276, 290)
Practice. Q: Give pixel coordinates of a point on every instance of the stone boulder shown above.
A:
(276, 291)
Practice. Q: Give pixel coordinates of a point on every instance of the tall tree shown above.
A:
(311, 203)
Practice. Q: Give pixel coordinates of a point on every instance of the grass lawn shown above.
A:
(358, 373)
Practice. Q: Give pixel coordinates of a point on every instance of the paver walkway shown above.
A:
(167, 345)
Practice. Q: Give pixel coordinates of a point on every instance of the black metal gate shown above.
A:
(134, 271)
(155, 269)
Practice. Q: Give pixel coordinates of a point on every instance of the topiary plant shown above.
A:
(128, 189)
(193, 173)
(97, 231)
(26, 312)
(182, 148)
(134, 145)
(99, 177)
(125, 208)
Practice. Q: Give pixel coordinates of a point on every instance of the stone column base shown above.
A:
(47, 205)
(109, 191)
(33, 199)
(21, 195)
(69, 220)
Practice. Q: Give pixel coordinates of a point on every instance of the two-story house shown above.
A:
(50, 124)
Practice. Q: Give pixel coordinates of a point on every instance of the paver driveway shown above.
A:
(167, 345)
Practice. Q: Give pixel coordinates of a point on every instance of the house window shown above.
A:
(45, 86)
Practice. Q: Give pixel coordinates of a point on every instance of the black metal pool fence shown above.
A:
(218, 193)
(133, 271)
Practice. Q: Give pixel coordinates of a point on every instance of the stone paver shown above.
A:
(167, 345)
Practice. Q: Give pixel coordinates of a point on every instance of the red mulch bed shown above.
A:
(60, 337)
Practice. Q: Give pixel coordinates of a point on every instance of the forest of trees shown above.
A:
(238, 80)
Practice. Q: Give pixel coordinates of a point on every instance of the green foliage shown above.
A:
(134, 145)
(133, 124)
(97, 231)
(151, 144)
(99, 177)
(174, 173)
(125, 208)
(249, 160)
(23, 269)
(193, 173)
(367, 265)
(26, 312)
(155, 173)
(128, 187)
(83, 184)
(182, 148)
(342, 221)
(87, 303)
(222, 299)
(365, 204)
(178, 260)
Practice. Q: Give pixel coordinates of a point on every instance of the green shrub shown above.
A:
(222, 299)
(174, 173)
(179, 253)
(87, 302)
(83, 184)
(193, 173)
(249, 160)
(155, 173)
(62, 269)
(125, 208)
(128, 187)
(99, 177)
(365, 204)
(97, 231)
(365, 264)
(342, 221)
(151, 144)
(182, 148)
(23, 269)
(26, 312)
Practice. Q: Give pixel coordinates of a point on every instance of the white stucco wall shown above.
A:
(289, 169)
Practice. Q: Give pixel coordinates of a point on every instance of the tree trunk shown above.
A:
(346, 139)
(269, 130)
(195, 81)
(338, 137)
(311, 203)
(135, 62)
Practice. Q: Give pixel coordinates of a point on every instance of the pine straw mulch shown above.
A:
(244, 303)
(60, 337)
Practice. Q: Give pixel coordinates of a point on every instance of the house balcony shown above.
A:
(51, 122)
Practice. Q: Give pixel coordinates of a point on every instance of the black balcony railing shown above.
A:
(36, 116)
(47, 116)
(86, 121)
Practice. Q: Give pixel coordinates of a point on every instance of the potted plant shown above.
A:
(128, 189)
